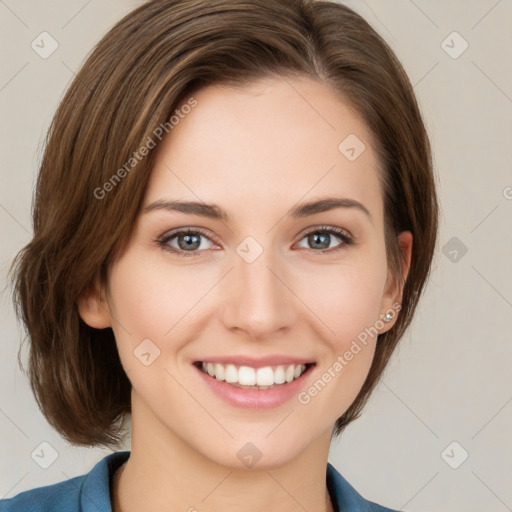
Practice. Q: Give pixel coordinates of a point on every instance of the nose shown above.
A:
(257, 299)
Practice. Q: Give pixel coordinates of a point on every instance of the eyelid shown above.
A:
(329, 229)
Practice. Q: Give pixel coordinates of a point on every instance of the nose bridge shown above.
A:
(257, 301)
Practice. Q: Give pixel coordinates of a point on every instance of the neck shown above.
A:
(166, 474)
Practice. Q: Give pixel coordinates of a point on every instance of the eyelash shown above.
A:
(163, 241)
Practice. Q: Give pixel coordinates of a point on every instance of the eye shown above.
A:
(321, 238)
(185, 242)
(189, 241)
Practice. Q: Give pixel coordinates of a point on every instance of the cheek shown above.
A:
(345, 297)
(348, 306)
(149, 298)
(152, 300)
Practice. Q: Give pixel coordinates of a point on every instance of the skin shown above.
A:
(256, 152)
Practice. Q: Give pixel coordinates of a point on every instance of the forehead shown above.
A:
(276, 141)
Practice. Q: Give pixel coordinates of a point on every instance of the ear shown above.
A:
(393, 292)
(93, 306)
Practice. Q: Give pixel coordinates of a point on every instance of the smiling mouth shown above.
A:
(247, 377)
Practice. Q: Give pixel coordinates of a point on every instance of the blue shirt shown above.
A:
(91, 492)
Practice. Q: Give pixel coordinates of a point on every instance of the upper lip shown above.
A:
(257, 362)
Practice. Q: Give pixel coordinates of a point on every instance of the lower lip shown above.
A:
(254, 398)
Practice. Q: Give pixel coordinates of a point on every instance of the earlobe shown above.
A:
(93, 307)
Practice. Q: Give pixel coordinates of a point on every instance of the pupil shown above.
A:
(322, 239)
(189, 242)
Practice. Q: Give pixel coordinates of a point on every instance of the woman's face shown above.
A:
(264, 288)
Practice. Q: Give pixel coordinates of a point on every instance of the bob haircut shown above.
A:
(134, 80)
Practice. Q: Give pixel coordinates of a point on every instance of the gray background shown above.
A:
(447, 391)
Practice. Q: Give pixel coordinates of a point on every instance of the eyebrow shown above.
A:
(213, 211)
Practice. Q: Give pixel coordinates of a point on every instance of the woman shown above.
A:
(234, 221)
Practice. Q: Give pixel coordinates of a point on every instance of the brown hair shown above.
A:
(138, 74)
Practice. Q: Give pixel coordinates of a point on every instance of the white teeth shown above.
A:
(279, 375)
(246, 376)
(219, 371)
(231, 374)
(264, 378)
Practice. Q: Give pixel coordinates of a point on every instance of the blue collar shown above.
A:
(345, 498)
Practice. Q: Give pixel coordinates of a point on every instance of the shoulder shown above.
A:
(85, 493)
(48, 498)
(346, 498)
